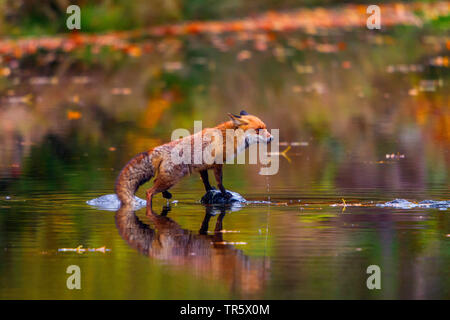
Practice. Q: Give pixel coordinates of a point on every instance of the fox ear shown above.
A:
(244, 113)
(237, 120)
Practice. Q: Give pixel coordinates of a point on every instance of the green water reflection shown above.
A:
(344, 110)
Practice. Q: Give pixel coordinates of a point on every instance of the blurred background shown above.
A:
(365, 113)
(49, 16)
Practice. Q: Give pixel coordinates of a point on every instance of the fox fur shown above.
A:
(158, 162)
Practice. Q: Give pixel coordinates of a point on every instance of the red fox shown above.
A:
(159, 161)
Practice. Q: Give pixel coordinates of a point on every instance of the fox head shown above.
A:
(254, 130)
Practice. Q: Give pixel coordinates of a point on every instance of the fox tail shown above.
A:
(135, 173)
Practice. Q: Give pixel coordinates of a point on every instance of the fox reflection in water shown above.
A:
(206, 255)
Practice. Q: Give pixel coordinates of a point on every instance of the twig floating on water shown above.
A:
(80, 249)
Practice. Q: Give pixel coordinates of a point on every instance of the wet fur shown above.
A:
(158, 162)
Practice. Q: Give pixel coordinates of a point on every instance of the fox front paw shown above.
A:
(227, 195)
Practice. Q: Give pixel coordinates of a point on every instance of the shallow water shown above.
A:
(361, 135)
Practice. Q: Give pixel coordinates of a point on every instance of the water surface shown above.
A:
(367, 119)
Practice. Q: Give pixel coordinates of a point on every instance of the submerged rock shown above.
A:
(215, 197)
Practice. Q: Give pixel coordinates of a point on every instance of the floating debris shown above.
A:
(225, 231)
(5, 72)
(346, 64)
(327, 48)
(283, 154)
(40, 81)
(405, 68)
(26, 99)
(173, 66)
(80, 249)
(430, 85)
(244, 55)
(294, 144)
(133, 50)
(230, 243)
(316, 87)
(395, 156)
(73, 115)
(344, 204)
(303, 69)
(439, 61)
(75, 99)
(81, 80)
(413, 92)
(121, 91)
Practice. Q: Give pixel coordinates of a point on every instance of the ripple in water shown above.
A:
(405, 204)
(111, 202)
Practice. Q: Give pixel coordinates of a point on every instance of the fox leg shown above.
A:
(158, 187)
(165, 211)
(166, 194)
(219, 222)
(205, 223)
(150, 193)
(205, 179)
(218, 175)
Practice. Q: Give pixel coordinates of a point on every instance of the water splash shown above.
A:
(405, 204)
(111, 202)
(268, 188)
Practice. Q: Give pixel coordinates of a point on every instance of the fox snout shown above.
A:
(269, 137)
(261, 136)
(255, 130)
(265, 136)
